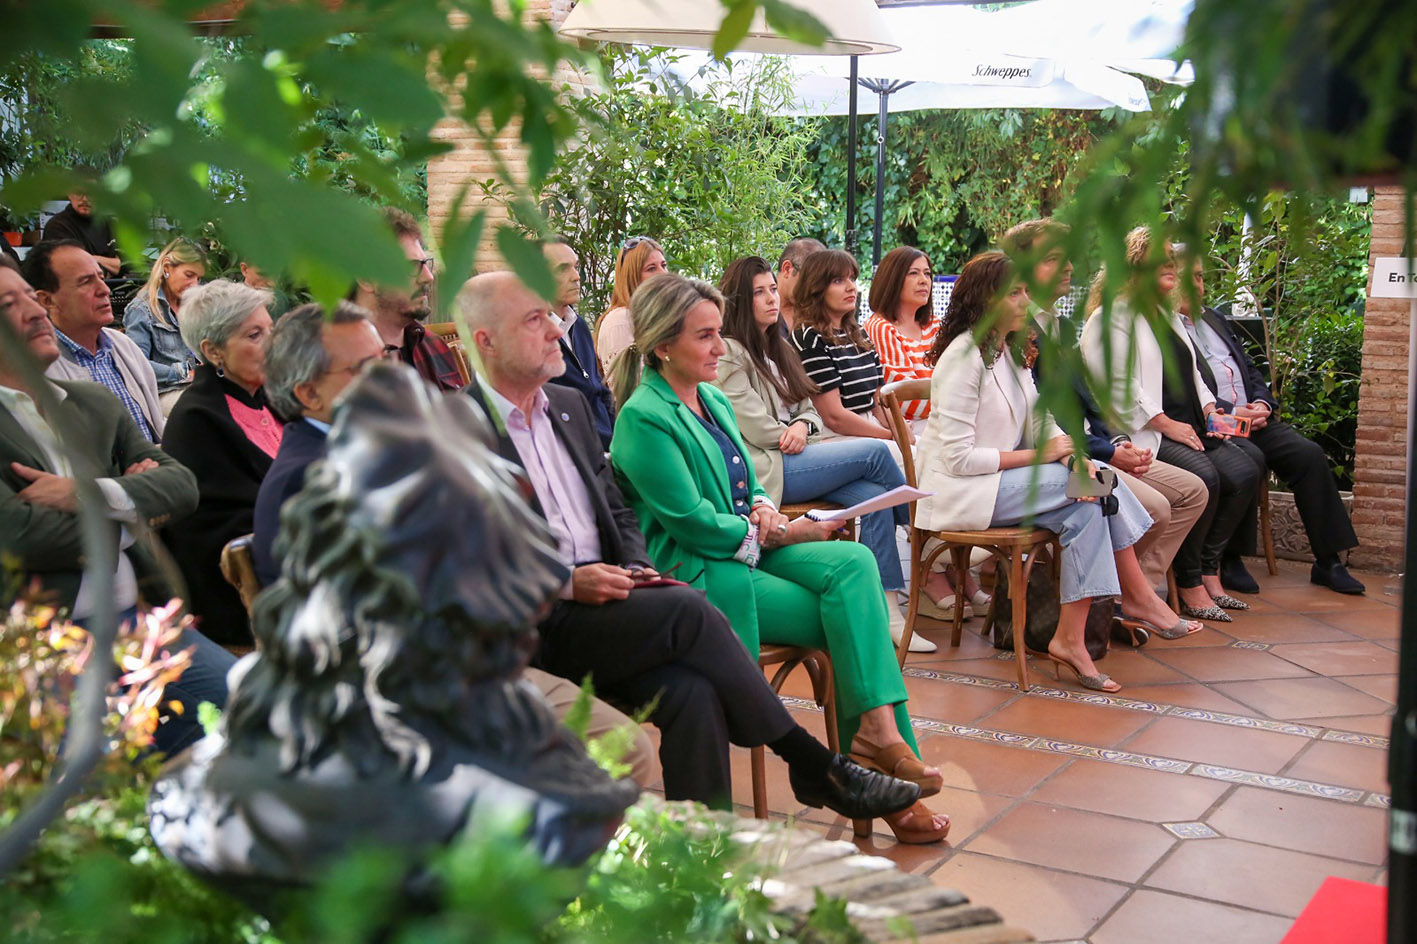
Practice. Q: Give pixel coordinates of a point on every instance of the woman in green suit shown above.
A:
(686, 472)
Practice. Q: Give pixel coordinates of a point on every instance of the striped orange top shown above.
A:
(903, 358)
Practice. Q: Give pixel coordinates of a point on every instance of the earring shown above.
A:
(666, 358)
(220, 370)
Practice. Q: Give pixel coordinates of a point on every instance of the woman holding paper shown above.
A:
(685, 470)
(771, 397)
(992, 460)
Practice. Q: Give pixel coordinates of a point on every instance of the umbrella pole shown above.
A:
(883, 94)
(851, 163)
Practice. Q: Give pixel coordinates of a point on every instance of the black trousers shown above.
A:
(1301, 464)
(671, 644)
(1232, 481)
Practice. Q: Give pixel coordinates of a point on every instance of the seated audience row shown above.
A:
(141, 486)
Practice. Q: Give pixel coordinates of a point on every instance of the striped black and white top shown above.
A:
(855, 372)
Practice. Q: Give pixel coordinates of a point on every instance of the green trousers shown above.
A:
(827, 595)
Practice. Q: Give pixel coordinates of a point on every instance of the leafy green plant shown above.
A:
(710, 174)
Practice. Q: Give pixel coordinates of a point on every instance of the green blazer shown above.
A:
(673, 475)
(48, 544)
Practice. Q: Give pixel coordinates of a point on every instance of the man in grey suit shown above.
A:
(50, 437)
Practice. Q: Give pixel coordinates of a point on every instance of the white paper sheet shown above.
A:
(896, 496)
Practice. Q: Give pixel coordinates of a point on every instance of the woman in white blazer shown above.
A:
(1167, 412)
(993, 460)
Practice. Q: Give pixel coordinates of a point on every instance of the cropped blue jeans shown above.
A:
(1038, 495)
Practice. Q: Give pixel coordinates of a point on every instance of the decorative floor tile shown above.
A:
(1244, 721)
(1379, 800)
(1272, 782)
(1190, 830)
(1353, 737)
(1246, 644)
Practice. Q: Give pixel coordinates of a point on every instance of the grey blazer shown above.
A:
(137, 374)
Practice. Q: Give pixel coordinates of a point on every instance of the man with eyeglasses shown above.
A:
(310, 361)
(577, 343)
(1300, 463)
(398, 313)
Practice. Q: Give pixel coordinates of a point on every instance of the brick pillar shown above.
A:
(470, 160)
(1379, 473)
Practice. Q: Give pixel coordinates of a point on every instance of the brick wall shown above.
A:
(471, 160)
(1379, 475)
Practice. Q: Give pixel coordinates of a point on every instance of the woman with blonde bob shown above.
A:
(685, 470)
(151, 318)
(991, 459)
(1167, 409)
(640, 258)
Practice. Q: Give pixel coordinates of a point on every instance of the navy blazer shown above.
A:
(583, 373)
(1099, 436)
(621, 541)
(300, 445)
(1256, 387)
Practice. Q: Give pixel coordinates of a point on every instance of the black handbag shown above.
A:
(1041, 621)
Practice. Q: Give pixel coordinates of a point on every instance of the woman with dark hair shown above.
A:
(1167, 411)
(771, 398)
(640, 258)
(903, 325)
(684, 469)
(836, 354)
(992, 461)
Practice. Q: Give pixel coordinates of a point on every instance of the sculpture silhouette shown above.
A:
(383, 705)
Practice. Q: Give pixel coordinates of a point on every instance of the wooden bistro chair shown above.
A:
(240, 571)
(819, 670)
(447, 332)
(1016, 549)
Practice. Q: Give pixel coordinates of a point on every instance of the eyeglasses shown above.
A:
(631, 243)
(418, 264)
(354, 369)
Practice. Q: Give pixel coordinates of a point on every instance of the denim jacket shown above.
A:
(161, 343)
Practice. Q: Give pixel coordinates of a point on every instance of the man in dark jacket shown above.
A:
(311, 360)
(1240, 389)
(83, 431)
(76, 221)
(577, 344)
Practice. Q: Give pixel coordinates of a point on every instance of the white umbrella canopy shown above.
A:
(854, 27)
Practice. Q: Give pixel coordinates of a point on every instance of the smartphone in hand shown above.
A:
(1228, 425)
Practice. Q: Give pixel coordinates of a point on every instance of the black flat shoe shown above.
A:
(1336, 577)
(853, 791)
(1234, 576)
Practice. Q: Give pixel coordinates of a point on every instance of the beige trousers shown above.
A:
(562, 694)
(1175, 500)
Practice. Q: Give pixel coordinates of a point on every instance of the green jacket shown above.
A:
(48, 544)
(673, 476)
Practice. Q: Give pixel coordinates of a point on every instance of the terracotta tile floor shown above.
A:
(1274, 751)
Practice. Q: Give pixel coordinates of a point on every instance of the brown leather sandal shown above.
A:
(913, 825)
(898, 761)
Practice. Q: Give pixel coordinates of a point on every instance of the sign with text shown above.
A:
(1394, 277)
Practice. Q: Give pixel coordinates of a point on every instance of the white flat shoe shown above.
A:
(918, 643)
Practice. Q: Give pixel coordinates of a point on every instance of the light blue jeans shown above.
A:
(847, 471)
(1038, 496)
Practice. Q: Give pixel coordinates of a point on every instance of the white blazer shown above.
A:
(1129, 355)
(976, 412)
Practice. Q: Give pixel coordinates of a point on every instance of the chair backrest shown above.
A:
(891, 396)
(240, 571)
(447, 332)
